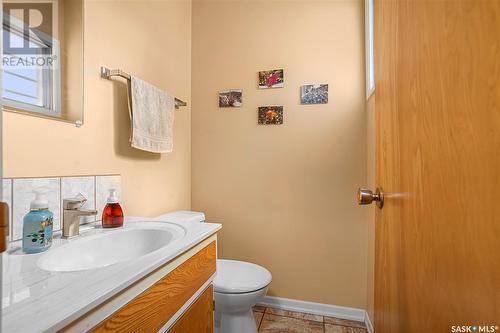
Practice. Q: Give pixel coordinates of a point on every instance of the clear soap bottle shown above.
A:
(112, 215)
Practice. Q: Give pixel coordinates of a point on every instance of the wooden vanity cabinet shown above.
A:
(155, 306)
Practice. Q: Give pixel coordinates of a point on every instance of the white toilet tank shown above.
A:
(183, 216)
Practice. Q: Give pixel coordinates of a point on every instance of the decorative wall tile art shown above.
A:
(271, 79)
(270, 115)
(230, 98)
(314, 94)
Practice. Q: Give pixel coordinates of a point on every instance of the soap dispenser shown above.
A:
(112, 215)
(37, 224)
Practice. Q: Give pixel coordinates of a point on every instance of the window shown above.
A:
(369, 48)
(32, 88)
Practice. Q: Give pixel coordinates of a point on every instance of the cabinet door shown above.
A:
(199, 318)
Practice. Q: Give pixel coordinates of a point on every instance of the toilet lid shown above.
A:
(240, 277)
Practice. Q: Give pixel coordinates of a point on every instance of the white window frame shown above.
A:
(369, 48)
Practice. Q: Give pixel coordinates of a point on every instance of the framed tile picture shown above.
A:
(231, 98)
(270, 115)
(271, 79)
(314, 94)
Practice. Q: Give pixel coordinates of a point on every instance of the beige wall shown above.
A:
(285, 194)
(126, 35)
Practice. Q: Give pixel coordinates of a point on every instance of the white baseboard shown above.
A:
(368, 323)
(337, 311)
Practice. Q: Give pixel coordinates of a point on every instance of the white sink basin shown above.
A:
(109, 247)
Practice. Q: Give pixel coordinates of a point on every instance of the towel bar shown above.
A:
(107, 73)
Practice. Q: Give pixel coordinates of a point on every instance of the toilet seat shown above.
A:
(237, 277)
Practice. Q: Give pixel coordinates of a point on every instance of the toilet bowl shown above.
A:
(238, 286)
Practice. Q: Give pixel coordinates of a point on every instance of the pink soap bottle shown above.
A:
(112, 215)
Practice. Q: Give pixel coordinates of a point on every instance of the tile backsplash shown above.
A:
(18, 193)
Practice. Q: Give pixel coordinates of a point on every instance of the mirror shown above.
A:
(42, 60)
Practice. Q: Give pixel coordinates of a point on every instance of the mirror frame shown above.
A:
(78, 122)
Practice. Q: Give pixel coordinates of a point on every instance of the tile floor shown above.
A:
(270, 320)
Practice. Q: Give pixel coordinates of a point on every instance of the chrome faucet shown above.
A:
(71, 215)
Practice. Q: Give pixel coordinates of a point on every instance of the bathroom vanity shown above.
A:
(151, 275)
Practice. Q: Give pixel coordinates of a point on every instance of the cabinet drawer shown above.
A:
(199, 318)
(149, 311)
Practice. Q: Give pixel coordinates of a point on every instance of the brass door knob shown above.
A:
(366, 197)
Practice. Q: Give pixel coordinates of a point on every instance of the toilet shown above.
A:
(238, 286)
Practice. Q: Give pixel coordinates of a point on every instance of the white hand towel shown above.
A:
(151, 117)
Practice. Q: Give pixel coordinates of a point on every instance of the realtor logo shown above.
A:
(28, 28)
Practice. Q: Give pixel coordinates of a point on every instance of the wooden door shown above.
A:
(437, 104)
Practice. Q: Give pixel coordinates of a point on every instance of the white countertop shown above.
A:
(36, 300)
